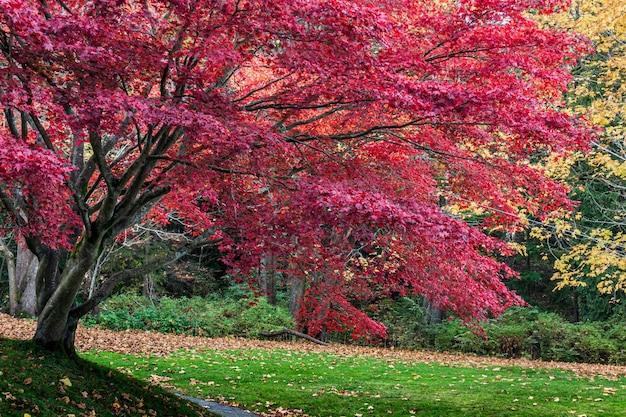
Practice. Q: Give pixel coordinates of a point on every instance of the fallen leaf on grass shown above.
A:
(137, 342)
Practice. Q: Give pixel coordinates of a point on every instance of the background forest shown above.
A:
(571, 264)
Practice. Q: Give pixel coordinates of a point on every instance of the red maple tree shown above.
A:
(322, 133)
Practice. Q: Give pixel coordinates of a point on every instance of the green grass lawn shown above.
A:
(336, 385)
(35, 382)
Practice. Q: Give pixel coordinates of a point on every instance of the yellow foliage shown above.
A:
(599, 94)
(519, 248)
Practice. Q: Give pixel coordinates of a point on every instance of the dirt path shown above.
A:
(157, 344)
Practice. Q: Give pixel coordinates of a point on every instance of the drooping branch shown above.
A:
(315, 118)
(177, 161)
(263, 87)
(269, 104)
(11, 206)
(432, 151)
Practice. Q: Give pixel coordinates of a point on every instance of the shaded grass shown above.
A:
(37, 382)
(339, 385)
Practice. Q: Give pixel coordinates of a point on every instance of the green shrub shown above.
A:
(404, 319)
(192, 316)
(262, 317)
(446, 335)
(520, 332)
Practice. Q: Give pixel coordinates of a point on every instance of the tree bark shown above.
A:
(296, 293)
(9, 256)
(26, 266)
(56, 328)
(434, 315)
(268, 278)
(576, 307)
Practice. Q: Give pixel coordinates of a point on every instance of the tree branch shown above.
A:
(125, 216)
(314, 119)
(294, 333)
(156, 263)
(301, 138)
(10, 118)
(260, 105)
(42, 132)
(10, 206)
(99, 155)
(263, 87)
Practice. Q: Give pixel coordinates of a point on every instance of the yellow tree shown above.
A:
(595, 236)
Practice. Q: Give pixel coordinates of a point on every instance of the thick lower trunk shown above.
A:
(56, 327)
(52, 335)
(48, 277)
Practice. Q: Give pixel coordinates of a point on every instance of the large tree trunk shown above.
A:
(57, 289)
(576, 306)
(56, 293)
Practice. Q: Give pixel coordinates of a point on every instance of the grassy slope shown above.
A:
(37, 382)
(336, 380)
(323, 384)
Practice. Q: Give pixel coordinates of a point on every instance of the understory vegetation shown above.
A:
(520, 332)
(195, 316)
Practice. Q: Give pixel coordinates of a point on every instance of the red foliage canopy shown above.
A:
(324, 133)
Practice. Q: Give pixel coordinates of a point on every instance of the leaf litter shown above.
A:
(159, 344)
(166, 345)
